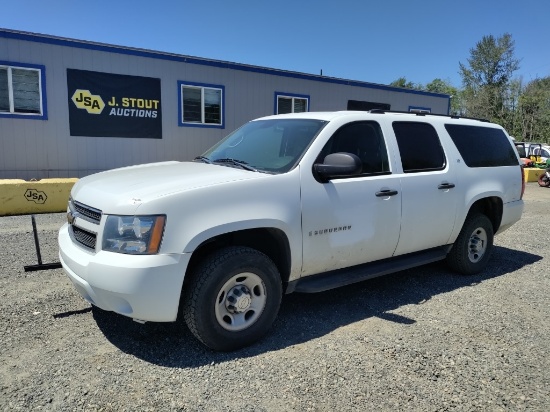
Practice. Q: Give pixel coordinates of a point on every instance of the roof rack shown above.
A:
(452, 116)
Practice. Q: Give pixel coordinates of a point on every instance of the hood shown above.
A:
(124, 190)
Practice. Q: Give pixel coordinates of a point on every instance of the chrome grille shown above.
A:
(87, 212)
(85, 238)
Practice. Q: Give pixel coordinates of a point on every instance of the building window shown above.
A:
(201, 105)
(366, 106)
(415, 109)
(291, 103)
(21, 90)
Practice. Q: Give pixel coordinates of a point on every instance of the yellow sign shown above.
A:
(83, 99)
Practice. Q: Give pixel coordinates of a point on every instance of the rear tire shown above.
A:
(472, 249)
(233, 298)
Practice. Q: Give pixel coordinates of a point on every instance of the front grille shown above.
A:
(85, 238)
(87, 212)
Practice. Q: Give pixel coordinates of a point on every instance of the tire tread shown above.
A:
(202, 274)
(457, 259)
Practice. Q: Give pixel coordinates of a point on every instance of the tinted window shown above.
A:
(482, 146)
(363, 139)
(419, 147)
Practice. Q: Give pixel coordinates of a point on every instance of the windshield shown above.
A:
(274, 145)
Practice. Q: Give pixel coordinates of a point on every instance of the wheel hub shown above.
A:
(477, 245)
(240, 302)
(238, 299)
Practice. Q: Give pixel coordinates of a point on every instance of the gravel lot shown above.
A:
(422, 339)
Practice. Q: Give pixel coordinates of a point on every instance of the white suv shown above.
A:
(290, 203)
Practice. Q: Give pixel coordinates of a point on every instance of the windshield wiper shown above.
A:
(203, 159)
(242, 164)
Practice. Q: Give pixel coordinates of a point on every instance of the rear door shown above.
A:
(428, 188)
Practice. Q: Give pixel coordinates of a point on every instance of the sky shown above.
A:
(365, 40)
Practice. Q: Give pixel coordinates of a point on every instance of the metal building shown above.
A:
(69, 108)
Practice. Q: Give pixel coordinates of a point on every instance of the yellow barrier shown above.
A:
(532, 174)
(20, 197)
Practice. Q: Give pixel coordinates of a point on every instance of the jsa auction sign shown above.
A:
(113, 105)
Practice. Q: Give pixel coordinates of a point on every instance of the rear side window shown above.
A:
(482, 146)
(419, 147)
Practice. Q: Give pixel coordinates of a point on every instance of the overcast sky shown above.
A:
(373, 41)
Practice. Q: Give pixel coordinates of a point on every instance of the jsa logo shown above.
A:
(36, 196)
(92, 103)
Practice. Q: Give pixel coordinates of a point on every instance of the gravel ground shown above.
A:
(422, 339)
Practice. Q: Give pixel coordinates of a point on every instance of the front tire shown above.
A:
(472, 249)
(233, 298)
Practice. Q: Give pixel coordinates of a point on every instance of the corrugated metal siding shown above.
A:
(44, 148)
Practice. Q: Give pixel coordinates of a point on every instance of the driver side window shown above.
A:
(363, 139)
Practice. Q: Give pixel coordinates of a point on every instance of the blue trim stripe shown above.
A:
(30, 116)
(59, 41)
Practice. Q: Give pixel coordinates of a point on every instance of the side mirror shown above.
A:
(338, 165)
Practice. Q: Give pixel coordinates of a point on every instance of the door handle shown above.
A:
(384, 193)
(446, 186)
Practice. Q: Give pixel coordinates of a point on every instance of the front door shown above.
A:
(350, 221)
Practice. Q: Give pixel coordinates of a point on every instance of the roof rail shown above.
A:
(452, 116)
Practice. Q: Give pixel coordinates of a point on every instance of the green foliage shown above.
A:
(534, 111)
(491, 63)
(402, 82)
(489, 91)
(445, 87)
(487, 79)
(440, 86)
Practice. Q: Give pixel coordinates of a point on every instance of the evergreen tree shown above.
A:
(487, 78)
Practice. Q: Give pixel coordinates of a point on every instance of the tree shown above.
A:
(491, 62)
(534, 111)
(487, 78)
(402, 82)
(511, 115)
(445, 87)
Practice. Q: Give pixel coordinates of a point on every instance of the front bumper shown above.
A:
(143, 287)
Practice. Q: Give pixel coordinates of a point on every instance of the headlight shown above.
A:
(135, 235)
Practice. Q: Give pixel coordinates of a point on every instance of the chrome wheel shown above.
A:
(240, 301)
(477, 245)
